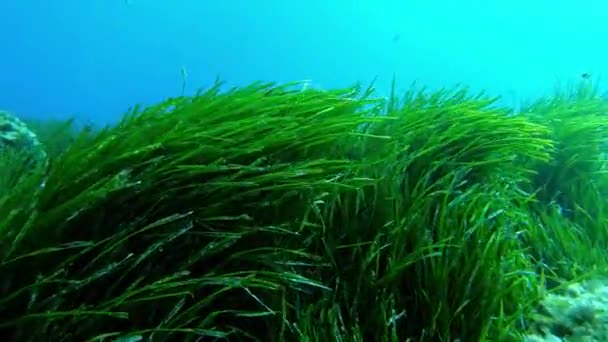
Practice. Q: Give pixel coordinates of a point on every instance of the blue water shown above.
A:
(95, 58)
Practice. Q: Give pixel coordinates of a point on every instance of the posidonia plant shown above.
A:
(269, 213)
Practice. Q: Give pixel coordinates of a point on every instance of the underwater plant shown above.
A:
(192, 232)
(271, 213)
(571, 188)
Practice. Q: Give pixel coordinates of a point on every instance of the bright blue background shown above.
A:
(95, 58)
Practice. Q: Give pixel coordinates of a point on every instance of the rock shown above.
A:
(15, 135)
(576, 314)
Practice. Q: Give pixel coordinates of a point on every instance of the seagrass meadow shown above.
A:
(276, 213)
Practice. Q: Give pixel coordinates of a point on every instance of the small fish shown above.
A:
(586, 75)
(184, 79)
(396, 38)
(305, 85)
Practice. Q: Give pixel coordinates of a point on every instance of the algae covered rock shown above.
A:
(579, 313)
(16, 136)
